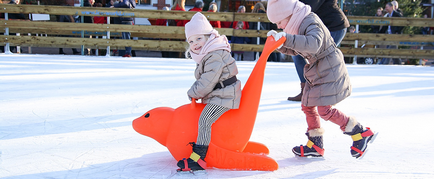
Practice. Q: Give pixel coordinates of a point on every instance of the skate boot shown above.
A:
(361, 136)
(196, 160)
(314, 146)
(298, 97)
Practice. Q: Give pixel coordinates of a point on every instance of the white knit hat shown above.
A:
(197, 25)
(278, 10)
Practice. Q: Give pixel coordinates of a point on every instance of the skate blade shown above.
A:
(364, 153)
(371, 141)
(310, 157)
(374, 137)
(198, 174)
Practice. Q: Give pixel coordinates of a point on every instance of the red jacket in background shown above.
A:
(195, 9)
(99, 20)
(215, 24)
(161, 22)
(180, 22)
(226, 24)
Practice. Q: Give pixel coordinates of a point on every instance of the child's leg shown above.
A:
(209, 115)
(334, 115)
(360, 135)
(314, 146)
(312, 117)
(236, 56)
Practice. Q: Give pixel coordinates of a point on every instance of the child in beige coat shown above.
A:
(216, 83)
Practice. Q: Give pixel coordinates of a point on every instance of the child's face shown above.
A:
(240, 25)
(282, 24)
(379, 12)
(196, 42)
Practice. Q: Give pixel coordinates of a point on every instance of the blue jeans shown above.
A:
(299, 61)
(385, 61)
(127, 35)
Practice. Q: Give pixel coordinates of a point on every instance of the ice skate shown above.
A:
(314, 147)
(196, 161)
(361, 137)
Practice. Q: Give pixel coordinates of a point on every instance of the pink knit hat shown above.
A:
(278, 10)
(197, 25)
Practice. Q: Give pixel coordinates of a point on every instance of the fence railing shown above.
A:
(158, 38)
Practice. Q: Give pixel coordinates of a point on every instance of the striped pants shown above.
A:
(209, 115)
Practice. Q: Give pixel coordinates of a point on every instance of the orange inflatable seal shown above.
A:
(230, 147)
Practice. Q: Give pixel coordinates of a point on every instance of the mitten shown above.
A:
(277, 36)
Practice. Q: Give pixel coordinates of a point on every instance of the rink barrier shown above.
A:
(170, 38)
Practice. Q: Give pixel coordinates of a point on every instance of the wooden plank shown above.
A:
(155, 45)
(391, 53)
(393, 21)
(247, 47)
(92, 27)
(178, 32)
(158, 45)
(63, 32)
(59, 28)
(251, 17)
(162, 45)
(389, 37)
(404, 43)
(172, 32)
(250, 33)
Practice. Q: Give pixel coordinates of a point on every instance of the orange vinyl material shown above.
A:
(230, 147)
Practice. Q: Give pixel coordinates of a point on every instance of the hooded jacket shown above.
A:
(327, 79)
(216, 67)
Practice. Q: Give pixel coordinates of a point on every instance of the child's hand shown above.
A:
(276, 36)
(271, 32)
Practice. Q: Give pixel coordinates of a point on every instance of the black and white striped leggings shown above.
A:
(209, 115)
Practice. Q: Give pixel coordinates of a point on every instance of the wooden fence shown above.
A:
(157, 38)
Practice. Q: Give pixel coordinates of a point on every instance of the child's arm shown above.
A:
(213, 68)
(310, 42)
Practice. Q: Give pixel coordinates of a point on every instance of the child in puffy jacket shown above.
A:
(327, 80)
(216, 83)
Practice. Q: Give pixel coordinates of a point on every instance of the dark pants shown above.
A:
(127, 35)
(385, 61)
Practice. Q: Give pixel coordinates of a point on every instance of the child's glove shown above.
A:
(276, 36)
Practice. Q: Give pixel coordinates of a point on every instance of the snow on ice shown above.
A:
(70, 117)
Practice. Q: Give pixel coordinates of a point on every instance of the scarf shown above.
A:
(300, 11)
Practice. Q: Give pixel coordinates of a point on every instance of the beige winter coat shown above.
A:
(216, 67)
(327, 80)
